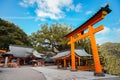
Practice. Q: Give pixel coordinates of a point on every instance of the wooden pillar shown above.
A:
(18, 61)
(65, 67)
(58, 64)
(24, 62)
(98, 70)
(79, 61)
(86, 62)
(73, 68)
(6, 61)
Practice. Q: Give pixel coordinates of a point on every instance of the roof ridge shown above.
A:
(21, 46)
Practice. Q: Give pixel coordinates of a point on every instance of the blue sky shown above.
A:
(30, 14)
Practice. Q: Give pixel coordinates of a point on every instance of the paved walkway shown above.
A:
(23, 73)
(57, 74)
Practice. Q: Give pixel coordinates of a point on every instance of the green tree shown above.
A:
(50, 37)
(11, 34)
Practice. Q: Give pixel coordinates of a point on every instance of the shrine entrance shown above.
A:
(79, 32)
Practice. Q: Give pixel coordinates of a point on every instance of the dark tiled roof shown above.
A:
(21, 51)
(36, 54)
(79, 52)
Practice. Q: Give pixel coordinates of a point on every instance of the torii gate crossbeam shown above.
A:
(91, 31)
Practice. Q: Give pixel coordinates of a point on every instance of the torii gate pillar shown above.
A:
(91, 31)
(98, 69)
(73, 67)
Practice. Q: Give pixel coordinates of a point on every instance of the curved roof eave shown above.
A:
(78, 52)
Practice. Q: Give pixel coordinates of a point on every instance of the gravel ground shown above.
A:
(52, 73)
(24, 73)
(118, 78)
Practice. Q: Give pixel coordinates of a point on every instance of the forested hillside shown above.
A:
(11, 34)
(110, 57)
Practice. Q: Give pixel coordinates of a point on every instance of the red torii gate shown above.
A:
(91, 31)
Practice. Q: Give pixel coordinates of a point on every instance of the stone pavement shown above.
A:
(22, 73)
(58, 74)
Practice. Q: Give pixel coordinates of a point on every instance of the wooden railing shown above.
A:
(85, 67)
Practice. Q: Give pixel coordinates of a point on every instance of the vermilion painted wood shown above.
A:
(91, 31)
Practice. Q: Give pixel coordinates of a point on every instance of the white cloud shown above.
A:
(118, 30)
(101, 40)
(118, 22)
(108, 35)
(103, 36)
(22, 4)
(78, 7)
(88, 12)
(19, 17)
(27, 13)
(52, 9)
(106, 30)
(26, 3)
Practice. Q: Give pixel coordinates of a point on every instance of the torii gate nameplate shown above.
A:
(91, 31)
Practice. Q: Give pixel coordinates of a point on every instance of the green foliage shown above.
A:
(11, 34)
(51, 36)
(110, 57)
